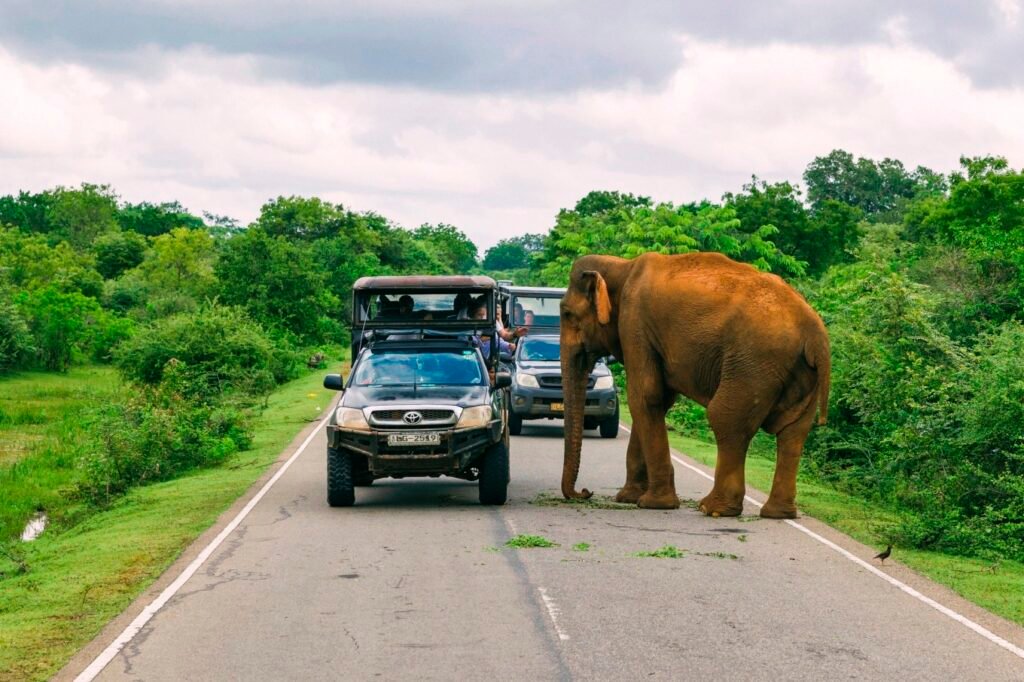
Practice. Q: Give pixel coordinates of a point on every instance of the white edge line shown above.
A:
(108, 654)
(553, 611)
(945, 610)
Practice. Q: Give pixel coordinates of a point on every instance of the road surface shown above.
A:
(414, 583)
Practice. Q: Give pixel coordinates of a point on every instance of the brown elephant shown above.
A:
(740, 342)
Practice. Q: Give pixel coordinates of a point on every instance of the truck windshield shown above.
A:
(539, 349)
(444, 368)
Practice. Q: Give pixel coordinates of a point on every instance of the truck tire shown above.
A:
(610, 426)
(515, 424)
(494, 475)
(340, 492)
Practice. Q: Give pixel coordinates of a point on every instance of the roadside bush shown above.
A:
(157, 435)
(220, 349)
(68, 326)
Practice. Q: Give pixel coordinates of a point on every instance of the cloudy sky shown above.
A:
(491, 115)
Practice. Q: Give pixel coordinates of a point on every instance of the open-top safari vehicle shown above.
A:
(426, 395)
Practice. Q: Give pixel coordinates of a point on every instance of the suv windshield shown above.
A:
(539, 349)
(536, 310)
(445, 368)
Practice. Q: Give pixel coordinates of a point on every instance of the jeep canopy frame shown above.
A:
(543, 302)
(417, 308)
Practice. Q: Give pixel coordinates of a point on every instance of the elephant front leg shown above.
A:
(650, 437)
(636, 472)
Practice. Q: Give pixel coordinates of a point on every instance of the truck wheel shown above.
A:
(590, 423)
(515, 424)
(494, 475)
(339, 478)
(610, 426)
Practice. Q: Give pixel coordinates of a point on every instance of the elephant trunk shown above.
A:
(575, 372)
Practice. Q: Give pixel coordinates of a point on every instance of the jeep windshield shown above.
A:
(539, 349)
(419, 368)
(539, 311)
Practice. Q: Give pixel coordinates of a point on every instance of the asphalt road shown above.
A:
(411, 584)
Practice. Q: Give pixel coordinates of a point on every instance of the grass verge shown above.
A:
(78, 579)
(997, 586)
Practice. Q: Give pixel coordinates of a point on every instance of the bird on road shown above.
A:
(882, 556)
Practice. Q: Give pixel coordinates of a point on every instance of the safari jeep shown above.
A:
(425, 396)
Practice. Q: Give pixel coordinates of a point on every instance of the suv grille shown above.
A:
(432, 417)
(397, 415)
(555, 381)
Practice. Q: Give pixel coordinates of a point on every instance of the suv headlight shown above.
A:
(526, 380)
(603, 383)
(351, 418)
(475, 417)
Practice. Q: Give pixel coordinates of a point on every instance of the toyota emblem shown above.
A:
(412, 418)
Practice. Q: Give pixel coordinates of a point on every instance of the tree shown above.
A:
(117, 252)
(153, 220)
(308, 218)
(180, 261)
(278, 283)
(27, 211)
(28, 261)
(877, 189)
(631, 230)
(62, 324)
(456, 252)
(81, 215)
(601, 201)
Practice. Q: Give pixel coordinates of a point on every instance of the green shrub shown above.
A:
(16, 347)
(220, 349)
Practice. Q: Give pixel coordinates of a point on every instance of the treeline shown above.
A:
(202, 317)
(920, 279)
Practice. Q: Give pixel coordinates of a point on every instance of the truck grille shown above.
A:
(555, 381)
(429, 417)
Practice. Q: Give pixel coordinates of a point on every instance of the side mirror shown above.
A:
(502, 379)
(335, 382)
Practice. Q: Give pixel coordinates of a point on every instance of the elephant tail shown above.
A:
(819, 356)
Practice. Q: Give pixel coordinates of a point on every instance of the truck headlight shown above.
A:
(473, 417)
(526, 380)
(603, 383)
(351, 418)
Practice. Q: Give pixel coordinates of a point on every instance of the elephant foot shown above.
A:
(778, 510)
(629, 494)
(717, 505)
(667, 500)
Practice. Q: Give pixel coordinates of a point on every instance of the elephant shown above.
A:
(739, 341)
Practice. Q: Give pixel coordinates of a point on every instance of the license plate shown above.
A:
(557, 407)
(429, 438)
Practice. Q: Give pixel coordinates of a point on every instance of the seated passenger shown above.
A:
(479, 312)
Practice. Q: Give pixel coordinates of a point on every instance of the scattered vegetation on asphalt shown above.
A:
(666, 552)
(581, 547)
(548, 498)
(527, 541)
(718, 555)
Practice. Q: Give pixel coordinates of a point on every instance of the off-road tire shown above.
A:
(515, 423)
(494, 475)
(340, 492)
(610, 426)
(590, 423)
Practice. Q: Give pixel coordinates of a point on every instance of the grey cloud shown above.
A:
(515, 47)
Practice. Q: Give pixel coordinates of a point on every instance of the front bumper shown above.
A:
(536, 403)
(456, 452)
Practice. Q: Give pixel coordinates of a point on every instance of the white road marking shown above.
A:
(108, 654)
(945, 610)
(554, 612)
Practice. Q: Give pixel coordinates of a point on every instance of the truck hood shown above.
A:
(462, 396)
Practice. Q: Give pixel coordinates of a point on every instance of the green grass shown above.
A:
(37, 442)
(527, 541)
(997, 586)
(80, 578)
(581, 547)
(666, 552)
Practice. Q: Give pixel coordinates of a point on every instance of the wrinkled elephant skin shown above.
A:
(741, 342)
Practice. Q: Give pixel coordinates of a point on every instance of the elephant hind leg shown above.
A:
(734, 418)
(789, 444)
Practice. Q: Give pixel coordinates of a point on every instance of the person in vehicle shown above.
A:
(405, 305)
(478, 311)
(504, 332)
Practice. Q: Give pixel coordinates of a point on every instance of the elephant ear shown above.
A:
(598, 291)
